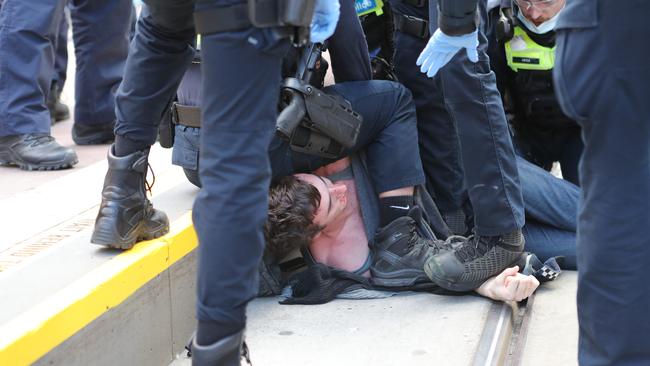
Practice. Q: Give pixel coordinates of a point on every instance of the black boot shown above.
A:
(474, 261)
(399, 252)
(58, 110)
(35, 152)
(225, 352)
(126, 215)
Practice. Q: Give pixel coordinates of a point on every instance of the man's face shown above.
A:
(539, 11)
(333, 198)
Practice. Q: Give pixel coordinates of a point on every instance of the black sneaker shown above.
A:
(472, 262)
(399, 252)
(35, 151)
(93, 134)
(58, 110)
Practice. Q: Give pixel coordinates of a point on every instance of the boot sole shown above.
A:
(401, 278)
(454, 286)
(105, 235)
(8, 158)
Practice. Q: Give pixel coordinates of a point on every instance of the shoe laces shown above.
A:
(148, 186)
(38, 139)
(474, 247)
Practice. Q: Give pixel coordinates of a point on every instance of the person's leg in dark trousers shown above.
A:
(602, 80)
(101, 37)
(27, 34)
(348, 48)
(240, 88)
(159, 54)
(440, 154)
(471, 137)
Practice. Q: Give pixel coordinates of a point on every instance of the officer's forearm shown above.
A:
(456, 17)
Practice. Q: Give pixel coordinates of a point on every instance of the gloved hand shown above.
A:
(441, 48)
(323, 24)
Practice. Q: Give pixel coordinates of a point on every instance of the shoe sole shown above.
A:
(8, 158)
(105, 235)
(401, 278)
(457, 287)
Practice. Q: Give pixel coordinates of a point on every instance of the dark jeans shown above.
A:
(602, 79)
(388, 136)
(464, 140)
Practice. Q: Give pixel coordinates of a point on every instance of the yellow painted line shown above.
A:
(37, 331)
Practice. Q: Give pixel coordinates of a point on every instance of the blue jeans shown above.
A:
(551, 206)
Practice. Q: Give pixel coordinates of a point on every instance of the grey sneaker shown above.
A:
(471, 263)
(400, 252)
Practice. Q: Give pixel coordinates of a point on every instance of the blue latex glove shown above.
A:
(441, 48)
(323, 24)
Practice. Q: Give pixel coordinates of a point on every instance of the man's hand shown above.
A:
(509, 285)
(441, 48)
(323, 24)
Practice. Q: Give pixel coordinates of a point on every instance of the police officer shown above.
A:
(465, 146)
(522, 54)
(602, 79)
(240, 79)
(27, 36)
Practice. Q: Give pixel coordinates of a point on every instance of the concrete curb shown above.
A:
(42, 328)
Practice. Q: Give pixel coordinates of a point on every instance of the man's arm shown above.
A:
(509, 285)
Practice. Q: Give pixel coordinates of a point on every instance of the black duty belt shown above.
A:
(222, 19)
(411, 25)
(186, 115)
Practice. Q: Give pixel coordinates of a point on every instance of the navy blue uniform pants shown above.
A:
(241, 78)
(463, 134)
(602, 78)
(27, 40)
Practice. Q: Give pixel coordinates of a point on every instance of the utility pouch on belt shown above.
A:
(289, 18)
(312, 121)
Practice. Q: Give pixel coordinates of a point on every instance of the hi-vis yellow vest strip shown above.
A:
(364, 7)
(522, 53)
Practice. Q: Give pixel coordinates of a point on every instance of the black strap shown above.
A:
(411, 25)
(417, 3)
(222, 19)
(186, 115)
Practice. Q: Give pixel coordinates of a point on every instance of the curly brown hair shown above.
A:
(292, 207)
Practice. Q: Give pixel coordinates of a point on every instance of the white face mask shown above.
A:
(545, 27)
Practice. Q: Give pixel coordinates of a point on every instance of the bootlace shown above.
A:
(148, 186)
(473, 248)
